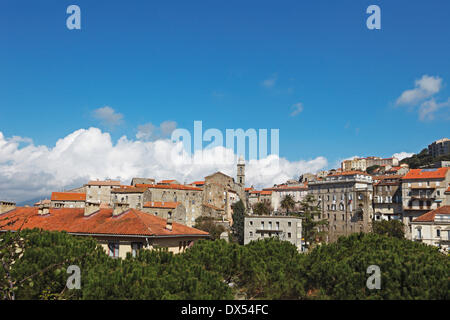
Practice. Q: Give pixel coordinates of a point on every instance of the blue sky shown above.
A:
(231, 64)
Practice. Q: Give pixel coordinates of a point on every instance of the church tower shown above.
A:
(241, 171)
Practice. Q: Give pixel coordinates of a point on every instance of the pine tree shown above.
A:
(238, 221)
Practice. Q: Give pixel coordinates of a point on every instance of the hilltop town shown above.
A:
(147, 213)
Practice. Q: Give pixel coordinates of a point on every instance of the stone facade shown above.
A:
(345, 200)
(100, 191)
(387, 199)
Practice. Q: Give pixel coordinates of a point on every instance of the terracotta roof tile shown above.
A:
(438, 173)
(161, 204)
(429, 216)
(68, 196)
(72, 220)
(169, 186)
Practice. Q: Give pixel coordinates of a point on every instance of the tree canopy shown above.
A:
(263, 269)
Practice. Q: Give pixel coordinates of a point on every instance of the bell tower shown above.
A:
(241, 171)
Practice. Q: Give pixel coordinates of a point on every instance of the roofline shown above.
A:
(123, 235)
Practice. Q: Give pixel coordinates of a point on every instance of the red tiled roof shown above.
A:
(161, 204)
(429, 216)
(266, 192)
(128, 189)
(103, 183)
(167, 181)
(68, 196)
(248, 189)
(198, 182)
(438, 173)
(448, 190)
(72, 220)
(288, 188)
(255, 192)
(348, 173)
(169, 186)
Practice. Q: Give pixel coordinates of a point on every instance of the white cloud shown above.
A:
(29, 171)
(428, 109)
(297, 108)
(108, 116)
(149, 131)
(402, 155)
(269, 83)
(425, 87)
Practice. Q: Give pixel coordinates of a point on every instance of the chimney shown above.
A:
(91, 207)
(169, 221)
(44, 209)
(119, 208)
(6, 206)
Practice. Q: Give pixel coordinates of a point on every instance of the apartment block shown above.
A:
(287, 228)
(345, 200)
(423, 190)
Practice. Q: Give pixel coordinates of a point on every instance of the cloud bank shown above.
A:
(29, 171)
(423, 97)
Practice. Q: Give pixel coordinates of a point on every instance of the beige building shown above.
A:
(423, 190)
(287, 228)
(119, 232)
(278, 193)
(345, 200)
(361, 164)
(100, 191)
(433, 228)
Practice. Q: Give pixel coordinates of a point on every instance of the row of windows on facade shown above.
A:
(438, 233)
(277, 224)
(350, 197)
(289, 235)
(114, 247)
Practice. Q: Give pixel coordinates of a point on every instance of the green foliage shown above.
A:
(288, 203)
(423, 159)
(409, 270)
(262, 208)
(313, 230)
(371, 169)
(264, 269)
(209, 225)
(238, 221)
(392, 228)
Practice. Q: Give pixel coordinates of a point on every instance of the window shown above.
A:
(251, 234)
(251, 223)
(113, 248)
(289, 224)
(135, 247)
(289, 235)
(438, 233)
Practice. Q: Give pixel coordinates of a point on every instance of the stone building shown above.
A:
(67, 200)
(345, 200)
(439, 147)
(433, 228)
(166, 210)
(286, 228)
(423, 190)
(387, 198)
(190, 197)
(136, 181)
(135, 197)
(100, 191)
